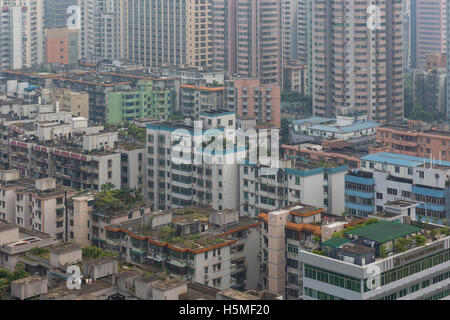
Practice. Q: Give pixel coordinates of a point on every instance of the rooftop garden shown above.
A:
(196, 241)
(6, 277)
(128, 129)
(340, 234)
(92, 252)
(41, 252)
(115, 200)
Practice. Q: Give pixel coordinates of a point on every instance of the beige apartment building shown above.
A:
(252, 98)
(284, 232)
(38, 205)
(170, 33)
(76, 102)
(357, 69)
(258, 43)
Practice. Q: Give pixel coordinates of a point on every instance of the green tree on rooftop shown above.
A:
(117, 199)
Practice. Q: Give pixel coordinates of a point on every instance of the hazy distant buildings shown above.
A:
(56, 15)
(430, 90)
(61, 46)
(251, 98)
(170, 33)
(430, 29)
(357, 70)
(102, 33)
(21, 29)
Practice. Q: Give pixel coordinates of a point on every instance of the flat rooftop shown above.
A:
(357, 248)
(401, 160)
(29, 280)
(238, 295)
(384, 231)
(25, 184)
(98, 261)
(169, 283)
(400, 203)
(4, 226)
(65, 248)
(335, 242)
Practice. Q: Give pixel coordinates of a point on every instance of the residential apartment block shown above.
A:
(264, 189)
(250, 97)
(367, 263)
(407, 140)
(386, 177)
(430, 29)
(430, 90)
(61, 46)
(284, 233)
(194, 243)
(170, 33)
(103, 29)
(357, 70)
(34, 204)
(202, 181)
(56, 15)
(147, 102)
(196, 99)
(76, 102)
(22, 40)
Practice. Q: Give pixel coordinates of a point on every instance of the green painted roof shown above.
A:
(384, 231)
(335, 242)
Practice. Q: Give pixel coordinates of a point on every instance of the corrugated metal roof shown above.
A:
(400, 159)
(335, 242)
(384, 231)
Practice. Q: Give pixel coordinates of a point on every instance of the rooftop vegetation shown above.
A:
(92, 252)
(117, 200)
(6, 277)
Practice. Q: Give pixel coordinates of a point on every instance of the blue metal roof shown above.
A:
(347, 129)
(400, 159)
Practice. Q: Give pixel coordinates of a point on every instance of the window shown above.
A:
(332, 278)
(421, 174)
(379, 195)
(292, 248)
(392, 191)
(397, 169)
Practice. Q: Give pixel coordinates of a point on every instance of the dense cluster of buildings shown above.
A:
(140, 141)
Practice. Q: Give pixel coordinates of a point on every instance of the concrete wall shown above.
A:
(67, 258)
(170, 294)
(29, 290)
(9, 235)
(100, 270)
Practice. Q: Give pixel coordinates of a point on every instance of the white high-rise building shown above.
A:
(21, 30)
(102, 33)
(205, 176)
